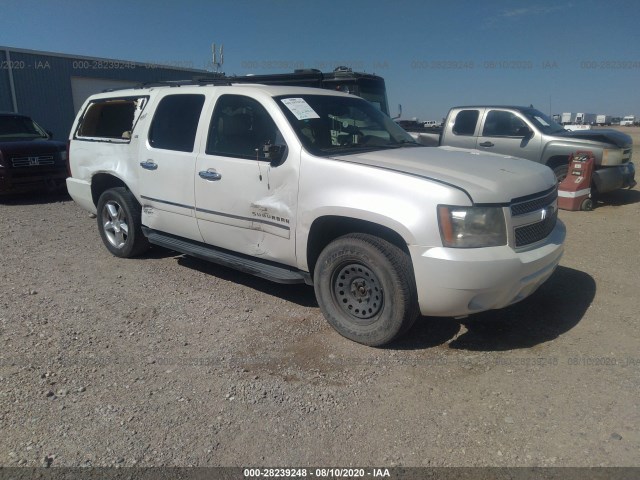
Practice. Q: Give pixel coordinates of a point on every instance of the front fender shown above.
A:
(403, 203)
(564, 148)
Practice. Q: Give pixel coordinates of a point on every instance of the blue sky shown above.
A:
(560, 56)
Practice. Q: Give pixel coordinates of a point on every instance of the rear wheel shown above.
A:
(119, 223)
(366, 289)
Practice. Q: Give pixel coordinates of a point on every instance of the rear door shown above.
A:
(166, 166)
(508, 133)
(462, 128)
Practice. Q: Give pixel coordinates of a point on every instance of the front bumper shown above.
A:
(19, 180)
(608, 179)
(455, 282)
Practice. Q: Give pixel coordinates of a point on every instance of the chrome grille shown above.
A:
(32, 161)
(535, 232)
(528, 206)
(534, 217)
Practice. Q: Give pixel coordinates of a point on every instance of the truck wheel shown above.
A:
(366, 289)
(560, 171)
(119, 223)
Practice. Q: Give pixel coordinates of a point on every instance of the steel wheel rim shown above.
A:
(115, 224)
(357, 291)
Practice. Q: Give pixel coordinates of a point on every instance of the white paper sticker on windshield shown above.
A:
(542, 121)
(300, 108)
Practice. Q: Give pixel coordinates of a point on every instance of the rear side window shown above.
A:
(465, 123)
(111, 119)
(175, 122)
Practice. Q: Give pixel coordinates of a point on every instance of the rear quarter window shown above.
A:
(465, 123)
(110, 120)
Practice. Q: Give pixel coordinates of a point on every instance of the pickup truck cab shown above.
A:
(307, 185)
(525, 132)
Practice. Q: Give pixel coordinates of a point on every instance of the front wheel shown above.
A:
(119, 223)
(366, 289)
(560, 171)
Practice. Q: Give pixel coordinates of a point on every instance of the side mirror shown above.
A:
(399, 112)
(50, 133)
(274, 153)
(524, 132)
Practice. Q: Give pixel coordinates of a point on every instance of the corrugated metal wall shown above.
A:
(5, 87)
(43, 83)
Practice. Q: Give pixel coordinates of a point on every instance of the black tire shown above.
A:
(119, 223)
(587, 205)
(366, 289)
(560, 170)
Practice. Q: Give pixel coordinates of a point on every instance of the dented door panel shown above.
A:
(250, 209)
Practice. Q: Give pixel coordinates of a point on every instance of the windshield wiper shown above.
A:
(401, 144)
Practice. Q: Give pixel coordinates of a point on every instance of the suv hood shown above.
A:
(486, 178)
(612, 137)
(31, 147)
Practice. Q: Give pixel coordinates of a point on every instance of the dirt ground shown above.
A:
(169, 361)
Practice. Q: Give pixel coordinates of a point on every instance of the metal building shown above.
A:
(51, 87)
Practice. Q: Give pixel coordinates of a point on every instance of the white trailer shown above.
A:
(602, 119)
(572, 127)
(628, 120)
(585, 118)
(567, 118)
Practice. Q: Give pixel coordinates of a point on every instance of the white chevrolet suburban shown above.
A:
(307, 185)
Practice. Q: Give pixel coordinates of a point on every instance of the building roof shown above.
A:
(167, 65)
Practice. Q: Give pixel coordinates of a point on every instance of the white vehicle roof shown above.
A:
(237, 88)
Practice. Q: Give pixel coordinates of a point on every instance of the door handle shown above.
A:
(486, 144)
(149, 165)
(209, 175)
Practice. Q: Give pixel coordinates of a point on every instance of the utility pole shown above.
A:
(217, 65)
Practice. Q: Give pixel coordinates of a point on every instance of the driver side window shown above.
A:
(240, 127)
(502, 124)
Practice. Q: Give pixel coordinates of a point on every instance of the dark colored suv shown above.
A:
(29, 159)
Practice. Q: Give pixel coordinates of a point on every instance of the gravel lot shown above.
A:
(169, 361)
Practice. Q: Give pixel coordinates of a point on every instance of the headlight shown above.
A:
(611, 156)
(471, 227)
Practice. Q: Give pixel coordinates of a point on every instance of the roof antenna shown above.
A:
(217, 64)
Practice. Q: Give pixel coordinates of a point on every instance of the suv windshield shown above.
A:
(545, 124)
(16, 126)
(334, 125)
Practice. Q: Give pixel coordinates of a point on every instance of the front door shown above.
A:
(245, 201)
(506, 133)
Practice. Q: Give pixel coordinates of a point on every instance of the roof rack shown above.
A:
(215, 79)
(199, 80)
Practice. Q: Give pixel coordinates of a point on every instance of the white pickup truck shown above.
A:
(306, 185)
